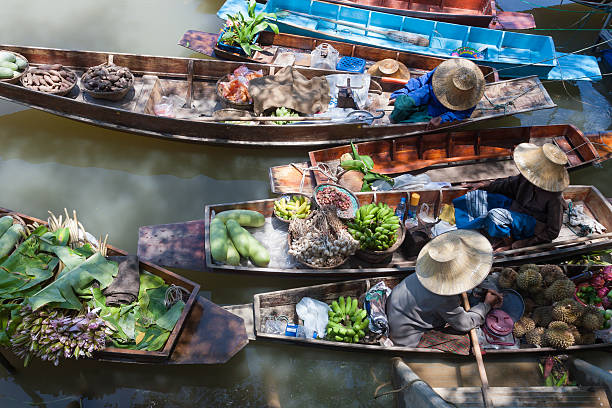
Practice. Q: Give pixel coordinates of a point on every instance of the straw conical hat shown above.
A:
(458, 84)
(543, 166)
(454, 262)
(389, 68)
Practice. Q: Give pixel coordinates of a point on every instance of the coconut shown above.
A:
(559, 335)
(560, 289)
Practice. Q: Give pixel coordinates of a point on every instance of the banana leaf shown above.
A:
(64, 292)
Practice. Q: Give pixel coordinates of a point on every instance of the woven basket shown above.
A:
(311, 266)
(231, 104)
(58, 93)
(111, 96)
(309, 198)
(352, 198)
(382, 257)
(16, 79)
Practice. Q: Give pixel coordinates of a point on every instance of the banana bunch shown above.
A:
(294, 207)
(347, 322)
(375, 226)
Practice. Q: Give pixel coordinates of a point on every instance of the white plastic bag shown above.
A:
(324, 56)
(314, 314)
(357, 80)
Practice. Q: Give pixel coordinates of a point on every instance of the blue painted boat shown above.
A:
(512, 54)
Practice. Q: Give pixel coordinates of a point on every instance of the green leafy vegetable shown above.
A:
(284, 112)
(364, 164)
(242, 30)
(169, 319)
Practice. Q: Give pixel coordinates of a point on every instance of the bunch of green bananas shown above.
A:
(375, 226)
(347, 322)
(294, 207)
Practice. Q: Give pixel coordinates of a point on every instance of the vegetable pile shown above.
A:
(229, 240)
(107, 78)
(364, 164)
(283, 112)
(347, 322)
(289, 208)
(11, 66)
(236, 88)
(597, 290)
(49, 78)
(375, 227)
(329, 196)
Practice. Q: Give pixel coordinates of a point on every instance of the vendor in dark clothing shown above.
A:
(447, 266)
(522, 210)
(448, 93)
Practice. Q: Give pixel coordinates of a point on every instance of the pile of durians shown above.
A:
(552, 318)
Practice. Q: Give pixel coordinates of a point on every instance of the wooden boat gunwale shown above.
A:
(113, 353)
(603, 213)
(347, 286)
(207, 132)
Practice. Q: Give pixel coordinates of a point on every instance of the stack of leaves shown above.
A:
(364, 164)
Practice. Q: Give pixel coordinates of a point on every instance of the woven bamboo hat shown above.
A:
(389, 68)
(458, 84)
(454, 262)
(543, 166)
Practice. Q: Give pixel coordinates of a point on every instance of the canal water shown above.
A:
(118, 182)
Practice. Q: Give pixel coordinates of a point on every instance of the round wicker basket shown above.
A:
(382, 257)
(226, 102)
(290, 195)
(59, 92)
(110, 96)
(347, 214)
(16, 79)
(336, 265)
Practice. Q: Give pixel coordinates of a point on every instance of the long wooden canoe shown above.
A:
(160, 76)
(276, 44)
(282, 303)
(409, 154)
(186, 245)
(204, 334)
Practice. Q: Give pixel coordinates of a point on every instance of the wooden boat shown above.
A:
(404, 155)
(512, 54)
(282, 303)
(186, 245)
(478, 13)
(195, 338)
(275, 44)
(603, 5)
(166, 76)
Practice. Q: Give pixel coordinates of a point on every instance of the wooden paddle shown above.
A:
(488, 401)
(393, 35)
(262, 119)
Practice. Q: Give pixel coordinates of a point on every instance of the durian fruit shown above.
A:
(507, 278)
(529, 305)
(592, 319)
(530, 280)
(582, 336)
(559, 335)
(526, 267)
(551, 273)
(542, 316)
(567, 310)
(535, 337)
(560, 289)
(522, 326)
(539, 298)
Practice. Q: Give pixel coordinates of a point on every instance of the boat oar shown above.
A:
(393, 35)
(488, 401)
(263, 119)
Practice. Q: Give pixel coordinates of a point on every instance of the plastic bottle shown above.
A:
(401, 209)
(414, 203)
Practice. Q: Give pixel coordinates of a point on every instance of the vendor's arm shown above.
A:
(452, 116)
(462, 320)
(506, 186)
(413, 84)
(545, 232)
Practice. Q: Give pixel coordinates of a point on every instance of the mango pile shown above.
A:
(375, 226)
(347, 322)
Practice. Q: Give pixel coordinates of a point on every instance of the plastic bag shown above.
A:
(375, 300)
(362, 81)
(168, 106)
(314, 314)
(324, 56)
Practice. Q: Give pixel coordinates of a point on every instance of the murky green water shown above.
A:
(118, 182)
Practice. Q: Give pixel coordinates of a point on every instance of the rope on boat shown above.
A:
(174, 294)
(321, 167)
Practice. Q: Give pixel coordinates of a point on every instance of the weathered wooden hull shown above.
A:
(403, 155)
(195, 338)
(206, 43)
(282, 303)
(156, 76)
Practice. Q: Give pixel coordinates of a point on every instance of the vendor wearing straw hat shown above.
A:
(522, 210)
(448, 265)
(448, 93)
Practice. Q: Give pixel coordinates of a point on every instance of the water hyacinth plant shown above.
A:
(242, 30)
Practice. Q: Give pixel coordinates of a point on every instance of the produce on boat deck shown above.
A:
(107, 78)
(49, 78)
(347, 322)
(236, 86)
(229, 240)
(375, 226)
(11, 65)
(290, 207)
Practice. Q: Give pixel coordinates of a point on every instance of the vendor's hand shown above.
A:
(494, 299)
(434, 122)
(521, 243)
(476, 186)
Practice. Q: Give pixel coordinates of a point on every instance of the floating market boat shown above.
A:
(513, 54)
(404, 155)
(194, 338)
(156, 77)
(187, 245)
(276, 45)
(282, 303)
(478, 13)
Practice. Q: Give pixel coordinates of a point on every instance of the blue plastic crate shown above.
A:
(351, 64)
